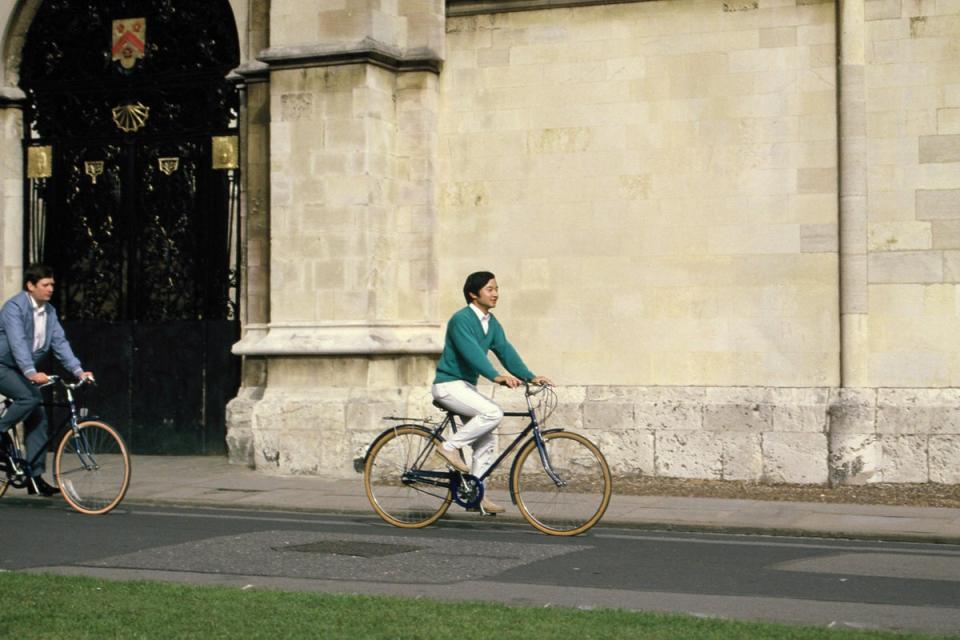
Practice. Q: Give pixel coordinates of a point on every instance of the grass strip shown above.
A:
(49, 606)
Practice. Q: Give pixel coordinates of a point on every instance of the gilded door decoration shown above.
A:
(94, 169)
(141, 229)
(225, 155)
(130, 117)
(129, 41)
(168, 165)
(39, 162)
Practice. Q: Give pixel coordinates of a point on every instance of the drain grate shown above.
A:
(352, 548)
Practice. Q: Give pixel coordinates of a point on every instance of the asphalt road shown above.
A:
(862, 584)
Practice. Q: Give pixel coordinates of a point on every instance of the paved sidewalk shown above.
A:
(212, 481)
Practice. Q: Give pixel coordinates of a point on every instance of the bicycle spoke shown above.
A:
(93, 468)
(573, 495)
(398, 497)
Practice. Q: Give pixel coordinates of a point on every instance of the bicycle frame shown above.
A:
(53, 435)
(448, 479)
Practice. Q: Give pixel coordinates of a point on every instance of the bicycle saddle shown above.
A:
(443, 408)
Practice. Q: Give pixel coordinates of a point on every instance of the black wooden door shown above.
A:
(136, 218)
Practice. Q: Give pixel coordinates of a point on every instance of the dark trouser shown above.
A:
(26, 408)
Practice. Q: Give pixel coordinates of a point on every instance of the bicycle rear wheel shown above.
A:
(405, 503)
(93, 467)
(579, 501)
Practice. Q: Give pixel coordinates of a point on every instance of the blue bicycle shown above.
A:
(559, 480)
(91, 463)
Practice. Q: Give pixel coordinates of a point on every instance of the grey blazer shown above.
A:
(16, 338)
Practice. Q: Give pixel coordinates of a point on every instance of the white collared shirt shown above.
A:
(484, 318)
(39, 323)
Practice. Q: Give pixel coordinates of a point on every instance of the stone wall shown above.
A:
(655, 185)
(913, 201)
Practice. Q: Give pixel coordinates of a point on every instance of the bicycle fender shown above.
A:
(513, 495)
(383, 434)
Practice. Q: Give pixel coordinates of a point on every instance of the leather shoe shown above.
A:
(488, 507)
(39, 486)
(452, 458)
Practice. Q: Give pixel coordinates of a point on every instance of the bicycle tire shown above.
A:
(393, 453)
(562, 510)
(92, 467)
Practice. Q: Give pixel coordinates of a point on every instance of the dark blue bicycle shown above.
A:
(91, 462)
(559, 480)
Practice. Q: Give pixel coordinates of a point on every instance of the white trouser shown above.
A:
(463, 399)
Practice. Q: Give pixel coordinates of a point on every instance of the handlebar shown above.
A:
(54, 379)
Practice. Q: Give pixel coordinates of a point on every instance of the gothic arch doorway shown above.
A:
(132, 190)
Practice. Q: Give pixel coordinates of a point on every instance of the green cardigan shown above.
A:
(465, 350)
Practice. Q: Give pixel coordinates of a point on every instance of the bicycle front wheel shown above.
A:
(93, 467)
(576, 498)
(404, 501)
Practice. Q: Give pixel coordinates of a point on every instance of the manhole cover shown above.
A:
(351, 548)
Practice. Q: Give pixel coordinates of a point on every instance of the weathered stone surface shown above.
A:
(668, 415)
(920, 411)
(689, 454)
(239, 420)
(904, 458)
(944, 148)
(854, 458)
(944, 459)
(627, 453)
(756, 418)
(795, 457)
(742, 456)
(852, 411)
(608, 416)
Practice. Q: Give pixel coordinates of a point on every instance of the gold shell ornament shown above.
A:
(130, 117)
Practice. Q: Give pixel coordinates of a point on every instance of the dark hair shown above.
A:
(476, 281)
(35, 273)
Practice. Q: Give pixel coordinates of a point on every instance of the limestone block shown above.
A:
(882, 9)
(742, 456)
(938, 204)
(904, 458)
(900, 236)
(951, 266)
(297, 434)
(795, 458)
(608, 416)
(910, 368)
(818, 238)
(906, 266)
(629, 453)
(946, 233)
(801, 410)
(752, 417)
(689, 454)
(944, 458)
(854, 458)
(239, 419)
(945, 148)
(948, 121)
(918, 411)
(669, 414)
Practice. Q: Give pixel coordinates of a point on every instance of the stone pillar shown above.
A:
(352, 331)
(11, 190)
(253, 77)
(854, 447)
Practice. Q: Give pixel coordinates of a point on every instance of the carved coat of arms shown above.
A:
(129, 41)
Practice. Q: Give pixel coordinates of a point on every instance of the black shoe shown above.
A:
(39, 486)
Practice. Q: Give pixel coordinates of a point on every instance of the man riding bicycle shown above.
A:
(29, 329)
(471, 333)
